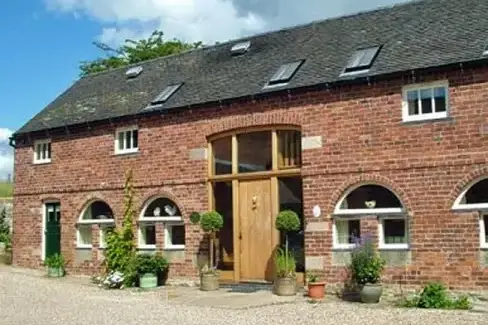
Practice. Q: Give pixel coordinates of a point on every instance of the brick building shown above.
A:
(372, 124)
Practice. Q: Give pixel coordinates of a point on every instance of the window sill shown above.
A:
(42, 162)
(84, 246)
(394, 248)
(160, 219)
(126, 153)
(175, 248)
(147, 247)
(428, 120)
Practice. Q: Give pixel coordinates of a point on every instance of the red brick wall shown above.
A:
(426, 164)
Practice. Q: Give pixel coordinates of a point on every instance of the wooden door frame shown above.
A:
(44, 221)
(236, 178)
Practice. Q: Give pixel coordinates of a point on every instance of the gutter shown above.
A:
(11, 142)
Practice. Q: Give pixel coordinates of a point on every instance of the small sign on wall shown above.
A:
(316, 211)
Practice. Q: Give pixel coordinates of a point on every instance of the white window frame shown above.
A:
(460, 206)
(102, 241)
(167, 235)
(40, 143)
(140, 235)
(79, 244)
(381, 234)
(426, 116)
(483, 231)
(83, 222)
(335, 237)
(124, 130)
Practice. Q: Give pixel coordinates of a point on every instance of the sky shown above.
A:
(45, 40)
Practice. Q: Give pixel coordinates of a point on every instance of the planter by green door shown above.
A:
(53, 229)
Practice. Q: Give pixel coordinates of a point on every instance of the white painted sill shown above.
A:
(84, 246)
(147, 247)
(343, 247)
(41, 162)
(425, 117)
(174, 248)
(160, 219)
(95, 222)
(393, 247)
(126, 152)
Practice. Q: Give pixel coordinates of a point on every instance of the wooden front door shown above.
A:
(53, 229)
(256, 230)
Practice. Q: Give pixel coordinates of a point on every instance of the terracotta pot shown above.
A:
(209, 282)
(285, 286)
(316, 290)
(371, 293)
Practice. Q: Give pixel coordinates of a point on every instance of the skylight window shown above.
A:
(166, 94)
(485, 51)
(362, 59)
(285, 73)
(240, 48)
(133, 72)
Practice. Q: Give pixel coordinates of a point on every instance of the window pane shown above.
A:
(135, 139)
(440, 99)
(394, 232)
(348, 231)
(254, 152)
(38, 152)
(413, 102)
(222, 192)
(121, 141)
(85, 235)
(177, 235)
(485, 219)
(44, 151)
(149, 235)
(49, 151)
(289, 149)
(128, 138)
(222, 156)
(426, 97)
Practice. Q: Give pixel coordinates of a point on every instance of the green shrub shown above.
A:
(285, 264)
(434, 295)
(211, 222)
(366, 265)
(287, 221)
(195, 218)
(55, 261)
(148, 263)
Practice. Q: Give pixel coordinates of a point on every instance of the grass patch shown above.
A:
(6, 189)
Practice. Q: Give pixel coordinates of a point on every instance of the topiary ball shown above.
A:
(211, 221)
(287, 221)
(195, 218)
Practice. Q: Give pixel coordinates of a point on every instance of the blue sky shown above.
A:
(45, 40)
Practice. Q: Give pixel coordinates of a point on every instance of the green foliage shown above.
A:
(287, 221)
(285, 264)
(211, 222)
(366, 265)
(195, 218)
(6, 189)
(312, 278)
(120, 251)
(132, 52)
(4, 228)
(55, 261)
(147, 263)
(434, 295)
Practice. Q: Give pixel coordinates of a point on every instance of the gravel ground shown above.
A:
(29, 300)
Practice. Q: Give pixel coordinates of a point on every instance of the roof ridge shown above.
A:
(264, 33)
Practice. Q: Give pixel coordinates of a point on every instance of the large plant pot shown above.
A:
(148, 281)
(55, 272)
(285, 286)
(371, 293)
(6, 256)
(316, 290)
(209, 282)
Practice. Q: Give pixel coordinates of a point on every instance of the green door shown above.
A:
(53, 229)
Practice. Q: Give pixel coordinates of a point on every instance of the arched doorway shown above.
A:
(254, 174)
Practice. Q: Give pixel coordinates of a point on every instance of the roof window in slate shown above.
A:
(134, 72)
(240, 48)
(166, 94)
(362, 59)
(284, 73)
(485, 51)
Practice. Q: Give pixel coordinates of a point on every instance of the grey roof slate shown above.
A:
(415, 35)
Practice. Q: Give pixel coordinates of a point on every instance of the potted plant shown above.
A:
(285, 263)
(210, 222)
(316, 288)
(6, 255)
(148, 268)
(366, 269)
(55, 265)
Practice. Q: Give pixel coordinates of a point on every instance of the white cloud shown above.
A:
(204, 20)
(5, 134)
(6, 154)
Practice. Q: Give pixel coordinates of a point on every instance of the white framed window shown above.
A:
(127, 140)
(96, 212)
(484, 231)
(105, 229)
(147, 235)
(393, 232)
(42, 151)
(345, 231)
(174, 236)
(425, 101)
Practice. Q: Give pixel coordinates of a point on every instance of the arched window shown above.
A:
(370, 200)
(475, 198)
(96, 212)
(166, 211)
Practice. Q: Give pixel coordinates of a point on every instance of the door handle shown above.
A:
(240, 236)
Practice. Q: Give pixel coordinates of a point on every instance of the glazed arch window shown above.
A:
(256, 151)
(42, 151)
(165, 211)
(370, 200)
(96, 213)
(475, 198)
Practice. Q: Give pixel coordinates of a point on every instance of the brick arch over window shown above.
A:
(355, 182)
(254, 120)
(89, 199)
(155, 194)
(471, 178)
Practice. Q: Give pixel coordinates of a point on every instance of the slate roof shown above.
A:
(415, 35)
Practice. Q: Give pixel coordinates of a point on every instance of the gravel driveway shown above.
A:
(29, 300)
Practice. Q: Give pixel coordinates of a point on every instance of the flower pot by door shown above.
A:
(148, 281)
(55, 272)
(209, 282)
(316, 290)
(285, 286)
(371, 293)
